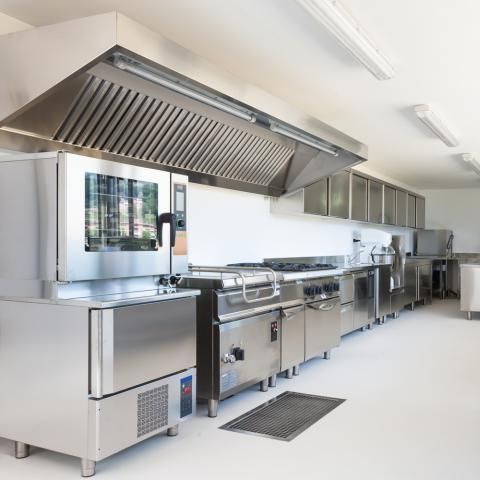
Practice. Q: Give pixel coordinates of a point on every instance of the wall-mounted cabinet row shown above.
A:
(353, 196)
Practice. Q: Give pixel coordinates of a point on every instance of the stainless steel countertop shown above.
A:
(116, 299)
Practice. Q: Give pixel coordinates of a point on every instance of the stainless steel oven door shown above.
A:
(140, 343)
(108, 219)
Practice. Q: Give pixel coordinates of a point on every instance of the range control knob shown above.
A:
(180, 223)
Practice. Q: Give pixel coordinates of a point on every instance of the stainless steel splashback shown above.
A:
(113, 89)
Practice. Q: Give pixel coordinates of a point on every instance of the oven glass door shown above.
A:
(108, 215)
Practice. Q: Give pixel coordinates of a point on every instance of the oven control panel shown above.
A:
(186, 402)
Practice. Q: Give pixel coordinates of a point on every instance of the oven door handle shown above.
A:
(171, 219)
(325, 307)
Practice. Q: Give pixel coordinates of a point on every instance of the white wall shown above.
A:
(10, 24)
(227, 226)
(457, 210)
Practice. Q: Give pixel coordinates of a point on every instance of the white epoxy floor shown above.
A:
(412, 412)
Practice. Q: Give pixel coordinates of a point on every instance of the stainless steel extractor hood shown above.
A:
(108, 87)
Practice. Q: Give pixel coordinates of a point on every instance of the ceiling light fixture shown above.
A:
(340, 23)
(471, 159)
(131, 66)
(436, 125)
(302, 138)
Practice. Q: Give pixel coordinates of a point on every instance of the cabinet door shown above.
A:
(359, 198)
(410, 282)
(420, 212)
(401, 209)
(388, 205)
(339, 204)
(322, 327)
(424, 282)
(411, 211)
(315, 198)
(375, 202)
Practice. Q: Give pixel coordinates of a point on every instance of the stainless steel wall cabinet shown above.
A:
(316, 198)
(401, 208)
(339, 195)
(411, 211)
(359, 198)
(420, 212)
(375, 202)
(389, 205)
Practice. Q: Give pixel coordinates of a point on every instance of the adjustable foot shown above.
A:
(172, 431)
(469, 315)
(370, 325)
(289, 373)
(88, 467)
(212, 407)
(327, 355)
(22, 450)
(296, 369)
(264, 385)
(272, 381)
(396, 314)
(363, 328)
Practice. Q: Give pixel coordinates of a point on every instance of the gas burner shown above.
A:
(286, 267)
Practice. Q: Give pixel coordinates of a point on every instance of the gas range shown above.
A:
(286, 266)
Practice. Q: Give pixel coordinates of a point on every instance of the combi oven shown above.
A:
(72, 218)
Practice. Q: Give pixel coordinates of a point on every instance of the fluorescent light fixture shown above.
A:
(131, 66)
(436, 125)
(339, 22)
(302, 138)
(471, 159)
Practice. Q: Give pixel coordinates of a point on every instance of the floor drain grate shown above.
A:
(284, 417)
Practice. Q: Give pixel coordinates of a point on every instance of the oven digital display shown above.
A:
(120, 214)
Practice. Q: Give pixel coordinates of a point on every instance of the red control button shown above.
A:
(187, 390)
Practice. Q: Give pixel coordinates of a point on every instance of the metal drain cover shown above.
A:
(284, 417)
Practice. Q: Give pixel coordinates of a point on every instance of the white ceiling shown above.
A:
(276, 45)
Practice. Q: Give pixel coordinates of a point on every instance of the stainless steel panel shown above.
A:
(432, 242)
(292, 337)
(339, 195)
(401, 208)
(383, 279)
(397, 300)
(389, 205)
(315, 198)
(360, 310)
(359, 198)
(22, 99)
(113, 421)
(74, 263)
(262, 355)
(411, 211)
(44, 351)
(375, 202)
(28, 210)
(420, 212)
(322, 327)
(138, 344)
(424, 282)
(346, 289)
(411, 283)
(346, 318)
